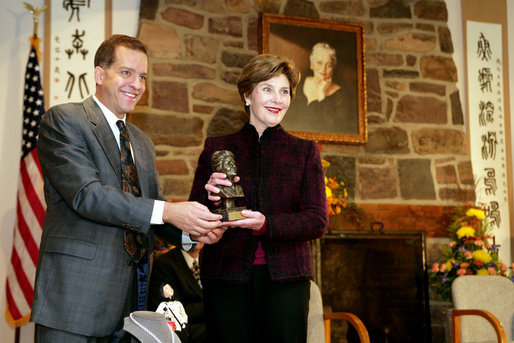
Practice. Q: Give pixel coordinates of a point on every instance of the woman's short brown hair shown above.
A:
(104, 56)
(264, 67)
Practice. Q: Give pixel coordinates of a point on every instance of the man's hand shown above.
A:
(211, 237)
(194, 218)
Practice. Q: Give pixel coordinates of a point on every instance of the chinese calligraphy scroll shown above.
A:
(487, 126)
(78, 27)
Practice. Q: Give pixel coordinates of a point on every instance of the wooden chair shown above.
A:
(487, 305)
(349, 317)
(319, 323)
(457, 330)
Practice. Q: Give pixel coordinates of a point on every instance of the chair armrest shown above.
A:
(352, 319)
(456, 329)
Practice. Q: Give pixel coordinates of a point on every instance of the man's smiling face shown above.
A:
(120, 86)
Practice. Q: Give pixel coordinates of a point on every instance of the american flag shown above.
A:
(30, 207)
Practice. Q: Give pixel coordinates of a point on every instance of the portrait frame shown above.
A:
(341, 118)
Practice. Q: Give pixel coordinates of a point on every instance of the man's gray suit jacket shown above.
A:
(83, 272)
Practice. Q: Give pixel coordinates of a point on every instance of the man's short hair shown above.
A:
(105, 54)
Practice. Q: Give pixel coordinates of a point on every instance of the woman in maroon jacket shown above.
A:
(256, 278)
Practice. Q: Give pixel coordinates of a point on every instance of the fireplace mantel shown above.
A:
(431, 219)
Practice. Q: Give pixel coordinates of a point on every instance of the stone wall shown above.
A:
(417, 151)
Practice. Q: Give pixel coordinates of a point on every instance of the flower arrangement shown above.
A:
(337, 195)
(339, 202)
(469, 252)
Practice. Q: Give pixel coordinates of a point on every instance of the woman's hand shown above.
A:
(254, 221)
(324, 88)
(212, 189)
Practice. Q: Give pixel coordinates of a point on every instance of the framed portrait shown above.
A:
(330, 102)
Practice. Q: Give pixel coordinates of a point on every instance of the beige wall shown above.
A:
(16, 29)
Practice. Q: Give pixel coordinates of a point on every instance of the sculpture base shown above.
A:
(230, 214)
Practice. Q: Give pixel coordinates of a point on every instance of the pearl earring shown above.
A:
(247, 103)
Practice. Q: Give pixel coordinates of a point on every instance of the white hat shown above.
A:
(149, 327)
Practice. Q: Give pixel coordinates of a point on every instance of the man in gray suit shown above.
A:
(86, 279)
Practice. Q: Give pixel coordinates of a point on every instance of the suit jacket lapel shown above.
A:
(104, 134)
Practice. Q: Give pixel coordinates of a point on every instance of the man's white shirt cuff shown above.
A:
(158, 210)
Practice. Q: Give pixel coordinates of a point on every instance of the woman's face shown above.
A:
(322, 65)
(269, 102)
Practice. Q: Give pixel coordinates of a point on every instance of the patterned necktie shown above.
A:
(196, 270)
(135, 243)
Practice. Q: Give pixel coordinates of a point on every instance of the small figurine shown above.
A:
(173, 311)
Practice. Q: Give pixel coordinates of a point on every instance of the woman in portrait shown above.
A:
(321, 104)
(256, 278)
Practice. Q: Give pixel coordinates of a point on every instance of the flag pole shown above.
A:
(34, 41)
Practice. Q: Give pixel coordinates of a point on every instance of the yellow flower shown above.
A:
(465, 231)
(482, 255)
(328, 191)
(482, 271)
(448, 264)
(475, 212)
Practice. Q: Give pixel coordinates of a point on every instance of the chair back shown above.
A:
(484, 292)
(315, 328)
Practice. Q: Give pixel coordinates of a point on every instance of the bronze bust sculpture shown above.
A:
(222, 161)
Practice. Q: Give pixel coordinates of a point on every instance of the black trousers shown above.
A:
(260, 310)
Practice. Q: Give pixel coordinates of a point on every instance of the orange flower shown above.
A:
(479, 242)
(461, 271)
